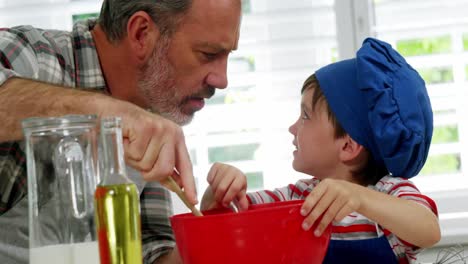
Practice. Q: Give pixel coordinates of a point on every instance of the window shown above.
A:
(433, 37)
(247, 124)
(276, 55)
(56, 14)
(84, 16)
(436, 46)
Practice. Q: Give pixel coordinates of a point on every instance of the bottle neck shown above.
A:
(114, 171)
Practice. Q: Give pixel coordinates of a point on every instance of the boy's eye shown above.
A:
(304, 115)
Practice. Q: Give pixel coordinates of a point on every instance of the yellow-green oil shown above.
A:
(118, 224)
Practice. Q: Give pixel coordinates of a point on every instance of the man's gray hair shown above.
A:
(166, 14)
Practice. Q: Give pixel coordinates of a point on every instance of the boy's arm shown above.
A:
(408, 220)
(336, 199)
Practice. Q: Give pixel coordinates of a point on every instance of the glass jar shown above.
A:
(61, 155)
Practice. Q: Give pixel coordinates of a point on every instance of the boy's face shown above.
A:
(317, 150)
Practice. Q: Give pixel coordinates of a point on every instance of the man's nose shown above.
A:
(217, 77)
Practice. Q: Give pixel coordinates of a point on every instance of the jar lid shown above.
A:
(66, 121)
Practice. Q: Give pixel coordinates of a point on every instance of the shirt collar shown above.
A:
(87, 65)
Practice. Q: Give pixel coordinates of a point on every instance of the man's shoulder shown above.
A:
(20, 29)
(28, 35)
(31, 31)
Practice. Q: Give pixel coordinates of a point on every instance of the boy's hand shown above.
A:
(226, 184)
(334, 199)
(208, 202)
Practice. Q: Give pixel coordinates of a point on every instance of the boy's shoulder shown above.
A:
(390, 185)
(311, 182)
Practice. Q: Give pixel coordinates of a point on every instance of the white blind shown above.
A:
(47, 14)
(247, 124)
(433, 37)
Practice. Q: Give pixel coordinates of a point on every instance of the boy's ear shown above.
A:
(142, 35)
(350, 149)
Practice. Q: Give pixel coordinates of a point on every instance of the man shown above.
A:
(158, 55)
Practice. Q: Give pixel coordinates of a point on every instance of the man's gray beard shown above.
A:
(158, 86)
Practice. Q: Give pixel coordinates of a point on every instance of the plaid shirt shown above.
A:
(68, 59)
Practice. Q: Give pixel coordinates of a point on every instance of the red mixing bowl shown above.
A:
(266, 233)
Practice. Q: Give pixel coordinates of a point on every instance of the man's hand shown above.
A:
(155, 146)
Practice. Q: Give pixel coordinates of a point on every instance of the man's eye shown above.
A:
(209, 56)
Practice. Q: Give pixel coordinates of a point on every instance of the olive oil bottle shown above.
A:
(117, 205)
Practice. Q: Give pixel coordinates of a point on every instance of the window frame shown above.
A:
(356, 19)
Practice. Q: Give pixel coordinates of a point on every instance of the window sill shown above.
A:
(453, 216)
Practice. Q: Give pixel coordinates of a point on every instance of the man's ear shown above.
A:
(142, 35)
(350, 150)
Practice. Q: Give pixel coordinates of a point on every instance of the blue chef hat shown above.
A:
(382, 103)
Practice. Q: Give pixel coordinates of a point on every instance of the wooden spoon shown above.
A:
(173, 186)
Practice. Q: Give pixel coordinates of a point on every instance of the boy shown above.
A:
(365, 128)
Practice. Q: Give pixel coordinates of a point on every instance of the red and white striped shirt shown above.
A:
(356, 226)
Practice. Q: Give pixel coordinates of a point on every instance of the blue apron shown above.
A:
(366, 251)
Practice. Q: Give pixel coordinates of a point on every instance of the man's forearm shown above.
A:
(172, 257)
(22, 98)
(163, 259)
